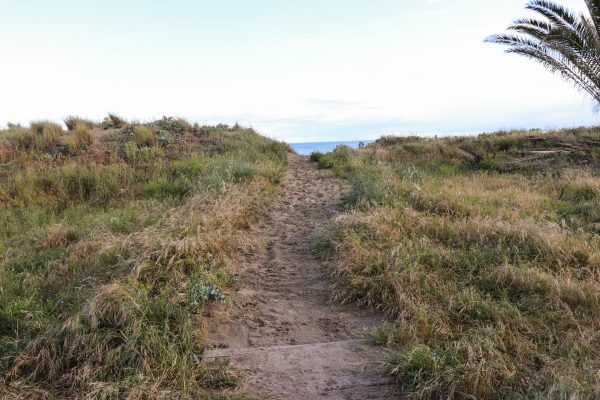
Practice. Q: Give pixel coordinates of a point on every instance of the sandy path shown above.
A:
(284, 333)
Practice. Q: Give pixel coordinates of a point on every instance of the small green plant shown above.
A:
(164, 138)
(172, 125)
(200, 294)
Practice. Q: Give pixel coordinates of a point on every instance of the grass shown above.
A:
(73, 123)
(113, 121)
(486, 251)
(111, 243)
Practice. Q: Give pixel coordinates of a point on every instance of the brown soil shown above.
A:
(284, 333)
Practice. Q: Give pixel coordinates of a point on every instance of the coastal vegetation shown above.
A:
(485, 251)
(113, 238)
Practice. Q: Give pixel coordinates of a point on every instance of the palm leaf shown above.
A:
(562, 41)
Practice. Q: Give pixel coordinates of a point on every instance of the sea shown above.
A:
(324, 147)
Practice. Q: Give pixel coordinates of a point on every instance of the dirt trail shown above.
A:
(284, 332)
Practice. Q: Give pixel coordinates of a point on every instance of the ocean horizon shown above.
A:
(309, 147)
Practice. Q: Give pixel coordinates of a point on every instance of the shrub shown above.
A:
(316, 156)
(172, 125)
(200, 294)
(163, 138)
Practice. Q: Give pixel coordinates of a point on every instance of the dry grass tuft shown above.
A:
(113, 121)
(73, 123)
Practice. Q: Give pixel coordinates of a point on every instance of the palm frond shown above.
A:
(562, 41)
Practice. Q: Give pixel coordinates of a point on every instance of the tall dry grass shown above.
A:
(486, 252)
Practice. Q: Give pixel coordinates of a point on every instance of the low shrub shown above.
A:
(163, 138)
(316, 156)
(172, 125)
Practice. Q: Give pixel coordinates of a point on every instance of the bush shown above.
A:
(316, 156)
(164, 138)
(172, 125)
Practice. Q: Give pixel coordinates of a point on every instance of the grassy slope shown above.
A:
(487, 252)
(111, 241)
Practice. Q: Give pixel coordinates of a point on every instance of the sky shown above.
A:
(300, 71)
